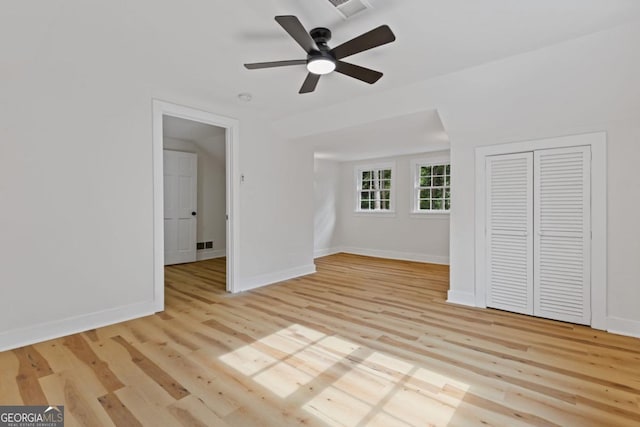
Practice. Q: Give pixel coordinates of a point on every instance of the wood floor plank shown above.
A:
(79, 347)
(193, 412)
(363, 342)
(9, 388)
(166, 381)
(200, 381)
(130, 374)
(81, 405)
(117, 411)
(32, 366)
(147, 410)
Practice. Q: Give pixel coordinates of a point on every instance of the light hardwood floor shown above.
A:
(362, 342)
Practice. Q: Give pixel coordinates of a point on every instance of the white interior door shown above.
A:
(509, 232)
(562, 221)
(180, 202)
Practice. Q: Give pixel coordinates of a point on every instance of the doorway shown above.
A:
(166, 111)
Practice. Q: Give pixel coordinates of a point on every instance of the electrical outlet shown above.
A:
(208, 245)
(200, 245)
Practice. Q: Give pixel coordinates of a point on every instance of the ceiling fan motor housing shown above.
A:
(321, 36)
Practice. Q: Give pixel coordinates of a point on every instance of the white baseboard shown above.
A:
(617, 325)
(325, 252)
(277, 276)
(403, 256)
(60, 328)
(462, 298)
(210, 254)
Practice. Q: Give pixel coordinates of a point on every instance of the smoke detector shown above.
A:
(348, 8)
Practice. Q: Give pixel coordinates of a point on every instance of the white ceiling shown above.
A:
(209, 138)
(187, 130)
(204, 43)
(434, 37)
(410, 134)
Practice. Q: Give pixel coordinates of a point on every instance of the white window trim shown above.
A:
(413, 176)
(357, 174)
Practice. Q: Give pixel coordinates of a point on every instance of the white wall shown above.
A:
(416, 237)
(590, 84)
(211, 209)
(76, 224)
(326, 190)
(338, 228)
(587, 84)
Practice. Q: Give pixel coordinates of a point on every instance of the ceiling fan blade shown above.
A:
(258, 65)
(366, 75)
(369, 40)
(310, 83)
(293, 26)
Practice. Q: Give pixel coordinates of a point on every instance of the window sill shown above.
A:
(382, 214)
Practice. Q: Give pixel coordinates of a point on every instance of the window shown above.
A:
(374, 188)
(432, 186)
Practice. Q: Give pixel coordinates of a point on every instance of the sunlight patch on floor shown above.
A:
(248, 360)
(344, 384)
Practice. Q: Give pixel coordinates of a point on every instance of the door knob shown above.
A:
(193, 213)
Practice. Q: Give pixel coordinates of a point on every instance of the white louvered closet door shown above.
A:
(562, 214)
(510, 232)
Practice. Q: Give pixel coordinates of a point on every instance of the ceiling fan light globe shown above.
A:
(321, 66)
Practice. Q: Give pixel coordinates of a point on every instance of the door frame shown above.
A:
(598, 143)
(161, 109)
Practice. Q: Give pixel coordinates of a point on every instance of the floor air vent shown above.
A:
(348, 8)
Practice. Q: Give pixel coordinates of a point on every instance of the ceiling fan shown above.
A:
(323, 60)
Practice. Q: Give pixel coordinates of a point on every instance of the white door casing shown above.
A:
(562, 224)
(180, 206)
(232, 168)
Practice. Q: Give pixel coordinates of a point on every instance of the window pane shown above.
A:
(447, 204)
(447, 193)
(447, 180)
(374, 189)
(425, 171)
(438, 170)
(448, 169)
(438, 181)
(425, 194)
(436, 204)
(425, 181)
(425, 204)
(436, 193)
